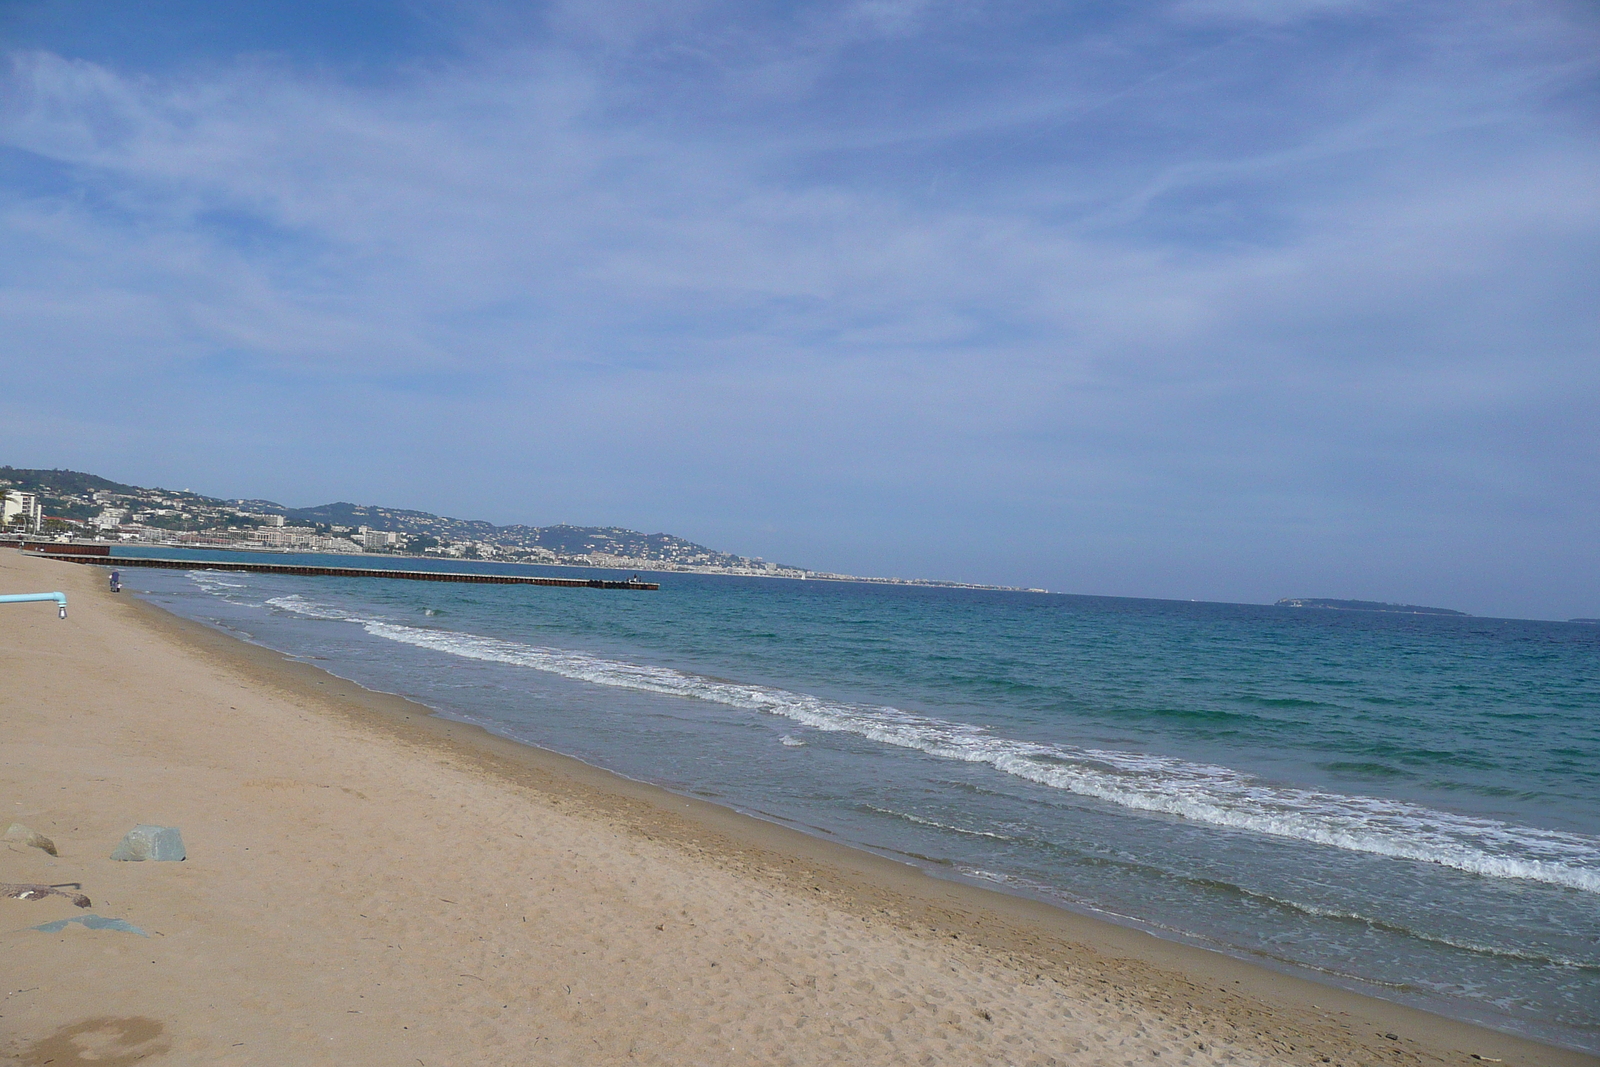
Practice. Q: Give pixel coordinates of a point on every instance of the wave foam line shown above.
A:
(209, 582)
(1202, 792)
(920, 821)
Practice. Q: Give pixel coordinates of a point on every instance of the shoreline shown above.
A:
(1254, 1010)
(862, 871)
(990, 917)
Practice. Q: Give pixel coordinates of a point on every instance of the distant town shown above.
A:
(66, 505)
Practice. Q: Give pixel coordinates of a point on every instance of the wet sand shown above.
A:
(367, 883)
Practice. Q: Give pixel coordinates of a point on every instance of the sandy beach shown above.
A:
(366, 883)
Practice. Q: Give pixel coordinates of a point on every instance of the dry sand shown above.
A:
(367, 884)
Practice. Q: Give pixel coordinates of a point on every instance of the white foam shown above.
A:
(1434, 936)
(301, 606)
(920, 821)
(210, 582)
(1203, 792)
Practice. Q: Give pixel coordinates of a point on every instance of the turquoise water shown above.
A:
(1406, 805)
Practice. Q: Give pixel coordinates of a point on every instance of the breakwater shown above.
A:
(78, 554)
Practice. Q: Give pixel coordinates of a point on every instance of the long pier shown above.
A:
(108, 560)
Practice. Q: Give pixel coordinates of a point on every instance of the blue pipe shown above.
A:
(25, 598)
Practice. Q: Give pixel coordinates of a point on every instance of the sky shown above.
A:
(1215, 299)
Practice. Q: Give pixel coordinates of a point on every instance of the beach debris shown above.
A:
(33, 838)
(25, 598)
(30, 891)
(91, 922)
(146, 842)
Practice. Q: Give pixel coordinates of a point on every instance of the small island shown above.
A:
(1365, 605)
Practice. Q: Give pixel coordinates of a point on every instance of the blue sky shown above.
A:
(1222, 299)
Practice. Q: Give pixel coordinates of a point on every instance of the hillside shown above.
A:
(83, 505)
(89, 505)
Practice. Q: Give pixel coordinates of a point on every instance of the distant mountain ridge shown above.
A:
(74, 498)
(77, 504)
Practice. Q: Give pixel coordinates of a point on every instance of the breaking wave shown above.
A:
(1202, 792)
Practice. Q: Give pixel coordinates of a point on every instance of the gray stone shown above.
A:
(151, 843)
(18, 832)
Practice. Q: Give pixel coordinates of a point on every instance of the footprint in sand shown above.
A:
(103, 1042)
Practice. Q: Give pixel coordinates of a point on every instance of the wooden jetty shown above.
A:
(86, 554)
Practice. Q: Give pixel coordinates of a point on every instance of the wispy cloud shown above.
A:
(1206, 283)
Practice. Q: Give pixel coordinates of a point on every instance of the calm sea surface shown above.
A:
(1405, 805)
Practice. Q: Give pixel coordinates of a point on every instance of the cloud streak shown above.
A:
(1201, 301)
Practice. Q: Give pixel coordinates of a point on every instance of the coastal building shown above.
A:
(22, 509)
(378, 540)
(110, 518)
(285, 536)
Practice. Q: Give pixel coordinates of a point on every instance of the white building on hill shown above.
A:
(378, 540)
(23, 509)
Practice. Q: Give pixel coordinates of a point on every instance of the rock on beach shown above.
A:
(145, 842)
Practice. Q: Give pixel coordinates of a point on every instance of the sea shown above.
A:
(1403, 805)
